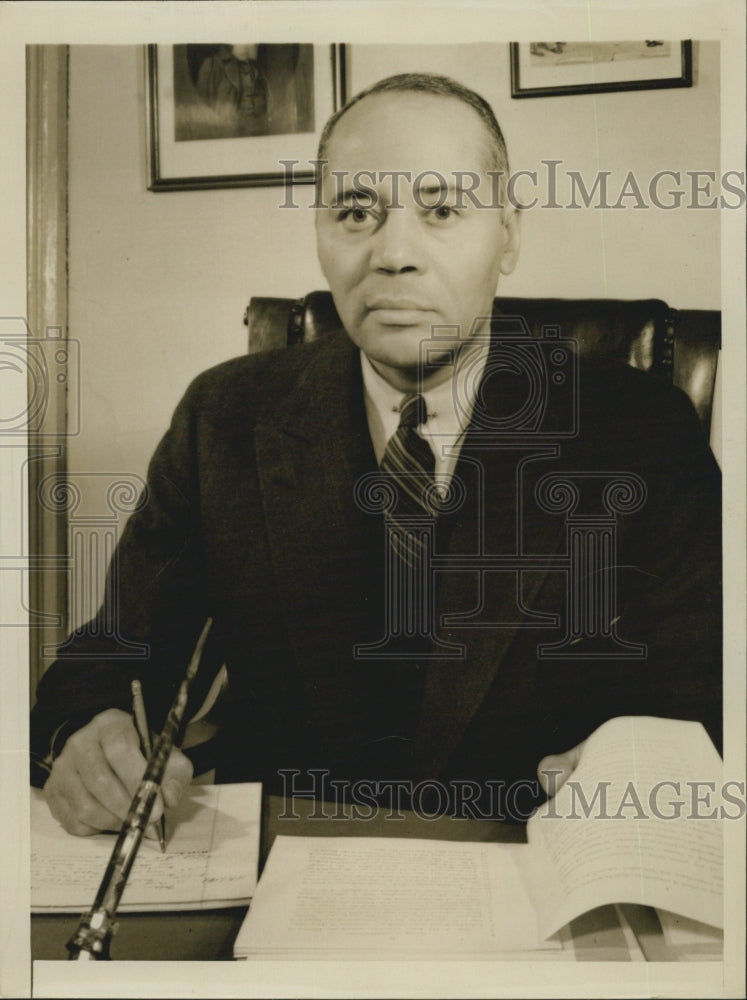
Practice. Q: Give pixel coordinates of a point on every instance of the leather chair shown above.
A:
(680, 346)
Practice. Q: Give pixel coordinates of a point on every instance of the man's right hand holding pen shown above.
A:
(94, 779)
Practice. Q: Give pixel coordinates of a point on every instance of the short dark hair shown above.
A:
(427, 83)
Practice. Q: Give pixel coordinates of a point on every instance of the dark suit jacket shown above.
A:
(251, 518)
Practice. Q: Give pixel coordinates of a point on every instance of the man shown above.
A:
(264, 511)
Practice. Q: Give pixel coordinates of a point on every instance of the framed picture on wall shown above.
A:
(224, 115)
(552, 69)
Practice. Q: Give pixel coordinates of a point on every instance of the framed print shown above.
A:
(222, 115)
(550, 69)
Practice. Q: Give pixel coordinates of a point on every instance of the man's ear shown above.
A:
(510, 223)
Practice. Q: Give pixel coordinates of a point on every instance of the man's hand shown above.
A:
(94, 779)
(554, 770)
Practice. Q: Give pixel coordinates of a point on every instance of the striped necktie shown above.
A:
(409, 466)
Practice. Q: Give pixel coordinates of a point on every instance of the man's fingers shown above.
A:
(99, 771)
(74, 807)
(96, 769)
(554, 770)
(103, 784)
(90, 787)
(177, 776)
(121, 749)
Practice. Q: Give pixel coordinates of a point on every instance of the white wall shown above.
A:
(159, 281)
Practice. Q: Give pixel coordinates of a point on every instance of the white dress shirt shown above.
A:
(449, 407)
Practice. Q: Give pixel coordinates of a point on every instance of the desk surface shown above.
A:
(204, 935)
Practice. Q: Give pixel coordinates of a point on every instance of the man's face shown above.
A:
(414, 256)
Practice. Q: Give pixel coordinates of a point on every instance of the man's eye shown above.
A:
(355, 217)
(444, 213)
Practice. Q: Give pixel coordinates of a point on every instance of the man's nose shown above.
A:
(397, 243)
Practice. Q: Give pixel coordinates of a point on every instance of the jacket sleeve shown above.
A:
(154, 606)
(673, 595)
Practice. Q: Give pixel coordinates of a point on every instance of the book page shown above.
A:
(386, 896)
(636, 823)
(212, 850)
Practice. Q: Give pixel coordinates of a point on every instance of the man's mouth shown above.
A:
(395, 310)
(394, 302)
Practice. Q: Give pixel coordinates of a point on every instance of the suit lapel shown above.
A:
(455, 689)
(310, 452)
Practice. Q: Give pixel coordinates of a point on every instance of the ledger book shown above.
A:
(624, 829)
(212, 850)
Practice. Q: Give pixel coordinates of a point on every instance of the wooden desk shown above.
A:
(207, 935)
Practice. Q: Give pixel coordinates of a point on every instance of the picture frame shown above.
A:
(227, 116)
(555, 69)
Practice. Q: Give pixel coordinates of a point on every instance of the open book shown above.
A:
(605, 838)
(210, 861)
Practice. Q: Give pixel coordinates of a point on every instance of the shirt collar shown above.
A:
(449, 405)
